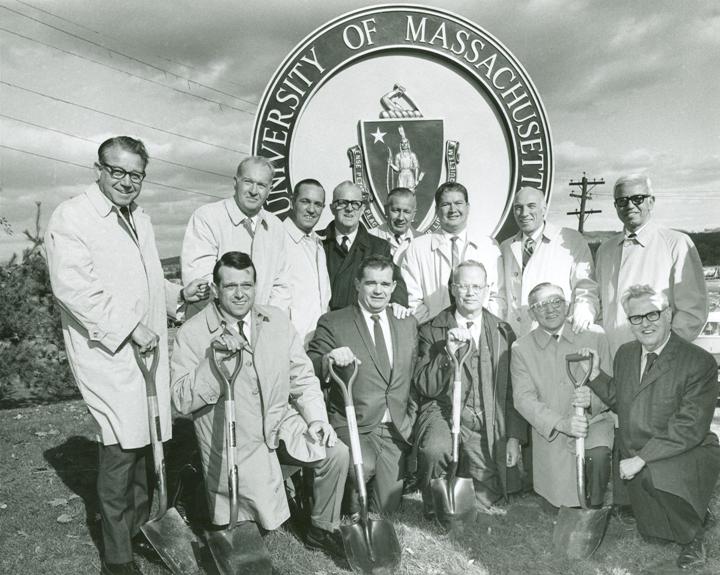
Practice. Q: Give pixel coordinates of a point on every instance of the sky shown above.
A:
(627, 87)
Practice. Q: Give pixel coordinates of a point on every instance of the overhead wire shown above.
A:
(106, 34)
(129, 57)
(68, 162)
(96, 142)
(76, 55)
(118, 117)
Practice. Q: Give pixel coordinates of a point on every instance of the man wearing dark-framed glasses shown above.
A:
(647, 253)
(346, 243)
(664, 391)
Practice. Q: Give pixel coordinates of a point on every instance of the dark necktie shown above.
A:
(528, 249)
(126, 221)
(455, 251)
(649, 361)
(381, 347)
(241, 330)
(556, 336)
(345, 245)
(630, 239)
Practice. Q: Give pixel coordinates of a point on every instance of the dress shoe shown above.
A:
(692, 554)
(144, 548)
(130, 568)
(329, 542)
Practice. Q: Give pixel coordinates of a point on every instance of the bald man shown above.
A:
(541, 252)
(347, 243)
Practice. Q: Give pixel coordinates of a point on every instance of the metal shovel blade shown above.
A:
(379, 556)
(453, 499)
(579, 532)
(239, 551)
(173, 540)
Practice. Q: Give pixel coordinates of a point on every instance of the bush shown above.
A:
(33, 364)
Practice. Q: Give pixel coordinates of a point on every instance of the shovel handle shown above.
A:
(154, 424)
(457, 398)
(355, 449)
(230, 426)
(572, 358)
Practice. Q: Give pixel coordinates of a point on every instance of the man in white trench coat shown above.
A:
(106, 275)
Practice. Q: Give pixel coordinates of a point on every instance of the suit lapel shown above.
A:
(662, 365)
(516, 249)
(395, 336)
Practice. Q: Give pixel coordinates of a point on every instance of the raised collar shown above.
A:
(296, 234)
(642, 235)
(237, 217)
(214, 318)
(102, 205)
(441, 238)
(543, 338)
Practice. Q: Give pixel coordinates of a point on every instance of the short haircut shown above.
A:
(305, 182)
(639, 291)
(260, 160)
(541, 286)
(450, 187)
(376, 262)
(235, 260)
(126, 143)
(400, 193)
(467, 264)
(634, 180)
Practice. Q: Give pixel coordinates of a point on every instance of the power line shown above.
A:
(106, 34)
(149, 65)
(69, 163)
(115, 116)
(76, 55)
(96, 142)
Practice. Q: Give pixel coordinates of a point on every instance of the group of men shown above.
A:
(395, 305)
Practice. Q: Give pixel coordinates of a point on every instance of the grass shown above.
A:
(48, 517)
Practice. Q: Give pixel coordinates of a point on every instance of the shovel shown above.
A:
(454, 497)
(371, 545)
(579, 532)
(239, 549)
(167, 532)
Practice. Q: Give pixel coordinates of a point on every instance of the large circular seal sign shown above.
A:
(406, 96)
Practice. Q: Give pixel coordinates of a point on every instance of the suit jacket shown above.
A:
(342, 276)
(372, 392)
(277, 395)
(434, 374)
(666, 419)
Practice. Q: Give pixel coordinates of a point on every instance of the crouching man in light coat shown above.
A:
(279, 407)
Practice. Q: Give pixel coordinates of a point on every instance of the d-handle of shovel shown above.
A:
(149, 374)
(230, 427)
(571, 359)
(457, 398)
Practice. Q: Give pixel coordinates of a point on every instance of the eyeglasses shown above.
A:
(553, 302)
(247, 182)
(355, 205)
(651, 316)
(466, 288)
(117, 173)
(636, 200)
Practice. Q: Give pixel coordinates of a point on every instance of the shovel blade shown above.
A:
(239, 551)
(579, 532)
(379, 556)
(174, 541)
(453, 499)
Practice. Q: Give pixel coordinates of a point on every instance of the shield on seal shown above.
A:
(408, 153)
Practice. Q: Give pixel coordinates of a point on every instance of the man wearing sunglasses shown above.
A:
(106, 275)
(347, 243)
(543, 394)
(647, 253)
(664, 391)
(241, 224)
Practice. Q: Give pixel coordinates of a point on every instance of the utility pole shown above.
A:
(586, 186)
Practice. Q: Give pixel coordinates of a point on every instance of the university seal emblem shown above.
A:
(390, 96)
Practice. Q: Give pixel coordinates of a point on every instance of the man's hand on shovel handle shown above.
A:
(574, 426)
(582, 397)
(587, 352)
(144, 338)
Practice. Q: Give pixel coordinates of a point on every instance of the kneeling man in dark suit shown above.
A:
(385, 347)
(664, 391)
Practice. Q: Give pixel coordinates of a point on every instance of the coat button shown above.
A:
(255, 391)
(516, 274)
(518, 319)
(248, 363)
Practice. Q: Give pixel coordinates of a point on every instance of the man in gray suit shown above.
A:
(664, 391)
(385, 347)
